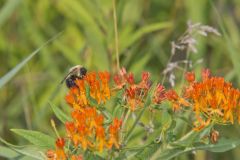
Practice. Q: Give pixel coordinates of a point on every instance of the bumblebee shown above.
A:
(76, 72)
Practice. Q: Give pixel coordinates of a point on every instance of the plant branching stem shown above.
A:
(54, 128)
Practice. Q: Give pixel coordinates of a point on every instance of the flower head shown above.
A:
(59, 153)
(159, 94)
(87, 130)
(98, 85)
(60, 142)
(213, 99)
(190, 77)
(134, 93)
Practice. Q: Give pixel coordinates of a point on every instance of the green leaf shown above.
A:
(148, 151)
(36, 138)
(17, 68)
(93, 35)
(192, 137)
(223, 145)
(232, 49)
(137, 67)
(23, 157)
(126, 42)
(166, 120)
(8, 152)
(59, 113)
(167, 154)
(94, 157)
(29, 151)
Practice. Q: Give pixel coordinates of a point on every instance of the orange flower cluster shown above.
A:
(87, 130)
(213, 100)
(134, 94)
(98, 86)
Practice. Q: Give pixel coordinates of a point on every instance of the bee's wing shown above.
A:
(71, 72)
(64, 78)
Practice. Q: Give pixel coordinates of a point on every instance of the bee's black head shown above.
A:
(83, 72)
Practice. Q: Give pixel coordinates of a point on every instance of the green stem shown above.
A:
(116, 33)
(185, 67)
(124, 122)
(137, 120)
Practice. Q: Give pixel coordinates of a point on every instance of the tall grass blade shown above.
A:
(7, 10)
(17, 68)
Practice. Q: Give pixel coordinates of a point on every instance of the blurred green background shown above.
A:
(146, 29)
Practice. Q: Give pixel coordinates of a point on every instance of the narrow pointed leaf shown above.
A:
(36, 138)
(60, 114)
